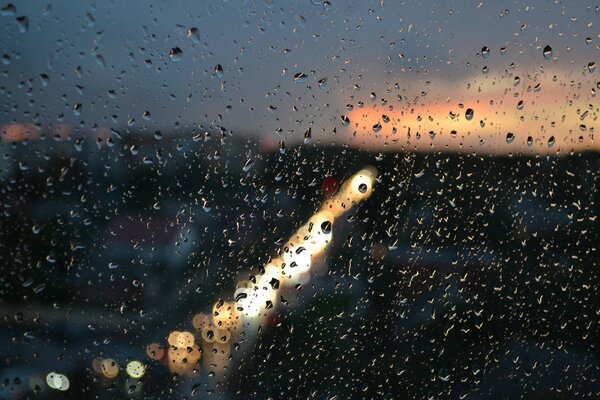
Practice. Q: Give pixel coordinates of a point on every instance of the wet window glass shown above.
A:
(304, 199)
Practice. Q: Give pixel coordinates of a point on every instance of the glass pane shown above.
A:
(260, 199)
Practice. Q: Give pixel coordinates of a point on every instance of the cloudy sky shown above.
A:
(292, 65)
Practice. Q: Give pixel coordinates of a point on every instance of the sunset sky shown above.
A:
(91, 66)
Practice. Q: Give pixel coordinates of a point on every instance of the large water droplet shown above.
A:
(547, 52)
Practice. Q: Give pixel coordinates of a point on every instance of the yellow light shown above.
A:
(172, 339)
(135, 369)
(155, 351)
(297, 260)
(110, 368)
(200, 321)
(225, 314)
(185, 340)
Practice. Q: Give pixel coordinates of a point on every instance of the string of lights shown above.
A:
(209, 346)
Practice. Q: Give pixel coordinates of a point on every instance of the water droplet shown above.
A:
(529, 141)
(547, 52)
(248, 164)
(241, 296)
(176, 54)
(485, 52)
(274, 283)
(551, 141)
(591, 66)
(219, 70)
(308, 136)
(510, 137)
(194, 35)
(345, 120)
(299, 77)
(22, 23)
(44, 79)
(323, 83)
(377, 127)
(8, 10)
(77, 109)
(326, 227)
(469, 114)
(362, 188)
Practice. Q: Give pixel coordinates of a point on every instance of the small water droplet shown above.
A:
(551, 141)
(323, 83)
(194, 35)
(469, 114)
(326, 226)
(308, 136)
(8, 10)
(44, 79)
(485, 52)
(176, 54)
(299, 77)
(345, 120)
(219, 70)
(510, 137)
(22, 23)
(248, 164)
(547, 52)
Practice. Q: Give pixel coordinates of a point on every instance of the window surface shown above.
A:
(299, 199)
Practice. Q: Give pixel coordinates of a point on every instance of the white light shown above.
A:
(57, 381)
(297, 260)
(135, 369)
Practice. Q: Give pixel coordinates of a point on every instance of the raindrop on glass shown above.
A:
(485, 52)
(469, 114)
(176, 54)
